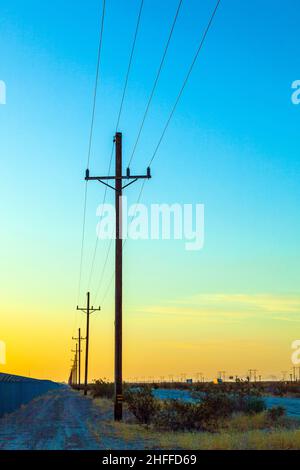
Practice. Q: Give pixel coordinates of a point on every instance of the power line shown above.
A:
(155, 81)
(90, 142)
(204, 35)
(186, 79)
(181, 90)
(118, 122)
(96, 84)
(130, 62)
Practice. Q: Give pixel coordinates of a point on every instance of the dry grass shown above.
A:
(240, 432)
(224, 440)
(104, 404)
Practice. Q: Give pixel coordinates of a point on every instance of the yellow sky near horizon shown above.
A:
(203, 333)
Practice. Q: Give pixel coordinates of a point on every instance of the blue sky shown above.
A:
(233, 144)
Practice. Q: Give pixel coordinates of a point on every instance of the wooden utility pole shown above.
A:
(79, 355)
(118, 178)
(118, 281)
(88, 310)
(74, 368)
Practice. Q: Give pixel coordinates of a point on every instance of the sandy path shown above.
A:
(60, 420)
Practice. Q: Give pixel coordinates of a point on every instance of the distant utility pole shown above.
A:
(79, 355)
(118, 178)
(283, 375)
(183, 377)
(88, 310)
(252, 371)
(75, 365)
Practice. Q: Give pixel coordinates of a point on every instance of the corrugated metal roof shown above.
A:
(15, 378)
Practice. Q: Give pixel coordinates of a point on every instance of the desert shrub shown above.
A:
(177, 415)
(203, 415)
(276, 413)
(141, 403)
(217, 404)
(102, 388)
(206, 413)
(252, 404)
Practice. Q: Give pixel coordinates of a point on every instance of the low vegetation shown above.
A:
(102, 388)
(218, 418)
(205, 413)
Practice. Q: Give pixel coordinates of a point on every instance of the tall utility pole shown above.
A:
(79, 355)
(118, 178)
(88, 310)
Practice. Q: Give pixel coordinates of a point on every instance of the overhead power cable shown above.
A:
(185, 80)
(117, 124)
(155, 82)
(90, 141)
(200, 46)
(204, 35)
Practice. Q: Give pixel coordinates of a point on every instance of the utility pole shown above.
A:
(283, 375)
(75, 365)
(118, 178)
(88, 310)
(79, 355)
(250, 374)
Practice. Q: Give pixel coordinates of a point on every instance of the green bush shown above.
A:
(102, 388)
(276, 413)
(142, 404)
(252, 405)
(177, 415)
(217, 405)
(206, 413)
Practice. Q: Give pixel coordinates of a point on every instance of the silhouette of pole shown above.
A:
(88, 310)
(75, 363)
(118, 178)
(79, 355)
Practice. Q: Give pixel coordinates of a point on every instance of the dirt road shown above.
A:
(61, 420)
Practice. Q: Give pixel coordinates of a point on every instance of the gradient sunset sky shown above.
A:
(232, 145)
